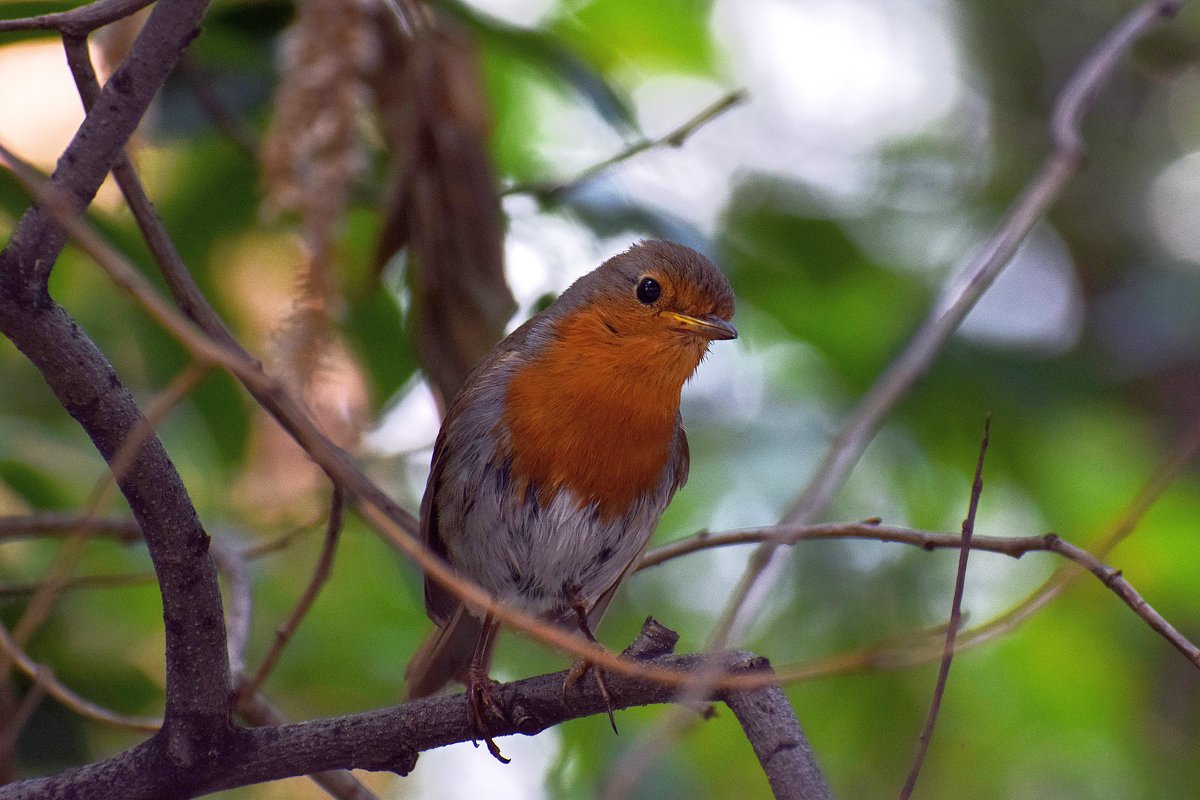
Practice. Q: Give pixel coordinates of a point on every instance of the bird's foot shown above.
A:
(481, 701)
(583, 667)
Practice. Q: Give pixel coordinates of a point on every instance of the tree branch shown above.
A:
(27, 259)
(321, 573)
(774, 732)
(198, 683)
(45, 679)
(550, 190)
(53, 523)
(78, 21)
(390, 739)
(960, 296)
(960, 582)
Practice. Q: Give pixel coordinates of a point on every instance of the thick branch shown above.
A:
(389, 739)
(26, 261)
(774, 732)
(198, 684)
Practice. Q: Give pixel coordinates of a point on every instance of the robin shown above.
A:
(560, 453)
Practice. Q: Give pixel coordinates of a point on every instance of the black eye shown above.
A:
(648, 290)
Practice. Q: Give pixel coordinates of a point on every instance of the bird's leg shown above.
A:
(481, 690)
(582, 666)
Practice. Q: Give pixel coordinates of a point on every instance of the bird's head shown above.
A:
(657, 299)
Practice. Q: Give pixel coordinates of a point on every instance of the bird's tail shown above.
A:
(445, 654)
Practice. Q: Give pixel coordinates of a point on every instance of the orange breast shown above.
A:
(596, 414)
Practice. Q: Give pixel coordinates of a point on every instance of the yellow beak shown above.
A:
(710, 326)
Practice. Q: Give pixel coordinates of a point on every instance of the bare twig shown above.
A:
(78, 21)
(52, 523)
(69, 554)
(239, 605)
(960, 582)
(162, 248)
(321, 574)
(675, 138)
(1011, 546)
(234, 127)
(274, 545)
(929, 339)
(1181, 454)
(1114, 580)
(1184, 451)
(79, 583)
(45, 678)
(787, 535)
(13, 725)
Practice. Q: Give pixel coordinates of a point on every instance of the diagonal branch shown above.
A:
(960, 582)
(321, 574)
(45, 679)
(931, 337)
(27, 259)
(551, 190)
(198, 683)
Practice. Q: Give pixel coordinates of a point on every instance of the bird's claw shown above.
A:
(481, 700)
(583, 667)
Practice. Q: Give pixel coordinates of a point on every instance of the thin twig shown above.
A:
(876, 657)
(78, 21)
(53, 523)
(14, 724)
(1185, 450)
(1116, 581)
(85, 708)
(42, 602)
(787, 535)
(234, 127)
(239, 605)
(930, 338)
(321, 574)
(274, 545)
(79, 583)
(162, 248)
(676, 138)
(960, 582)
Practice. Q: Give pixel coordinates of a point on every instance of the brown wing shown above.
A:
(486, 382)
(440, 603)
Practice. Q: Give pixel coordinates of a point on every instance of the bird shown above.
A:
(558, 456)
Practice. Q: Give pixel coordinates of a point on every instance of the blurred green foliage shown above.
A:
(1081, 701)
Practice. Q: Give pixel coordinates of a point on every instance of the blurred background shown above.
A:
(354, 204)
